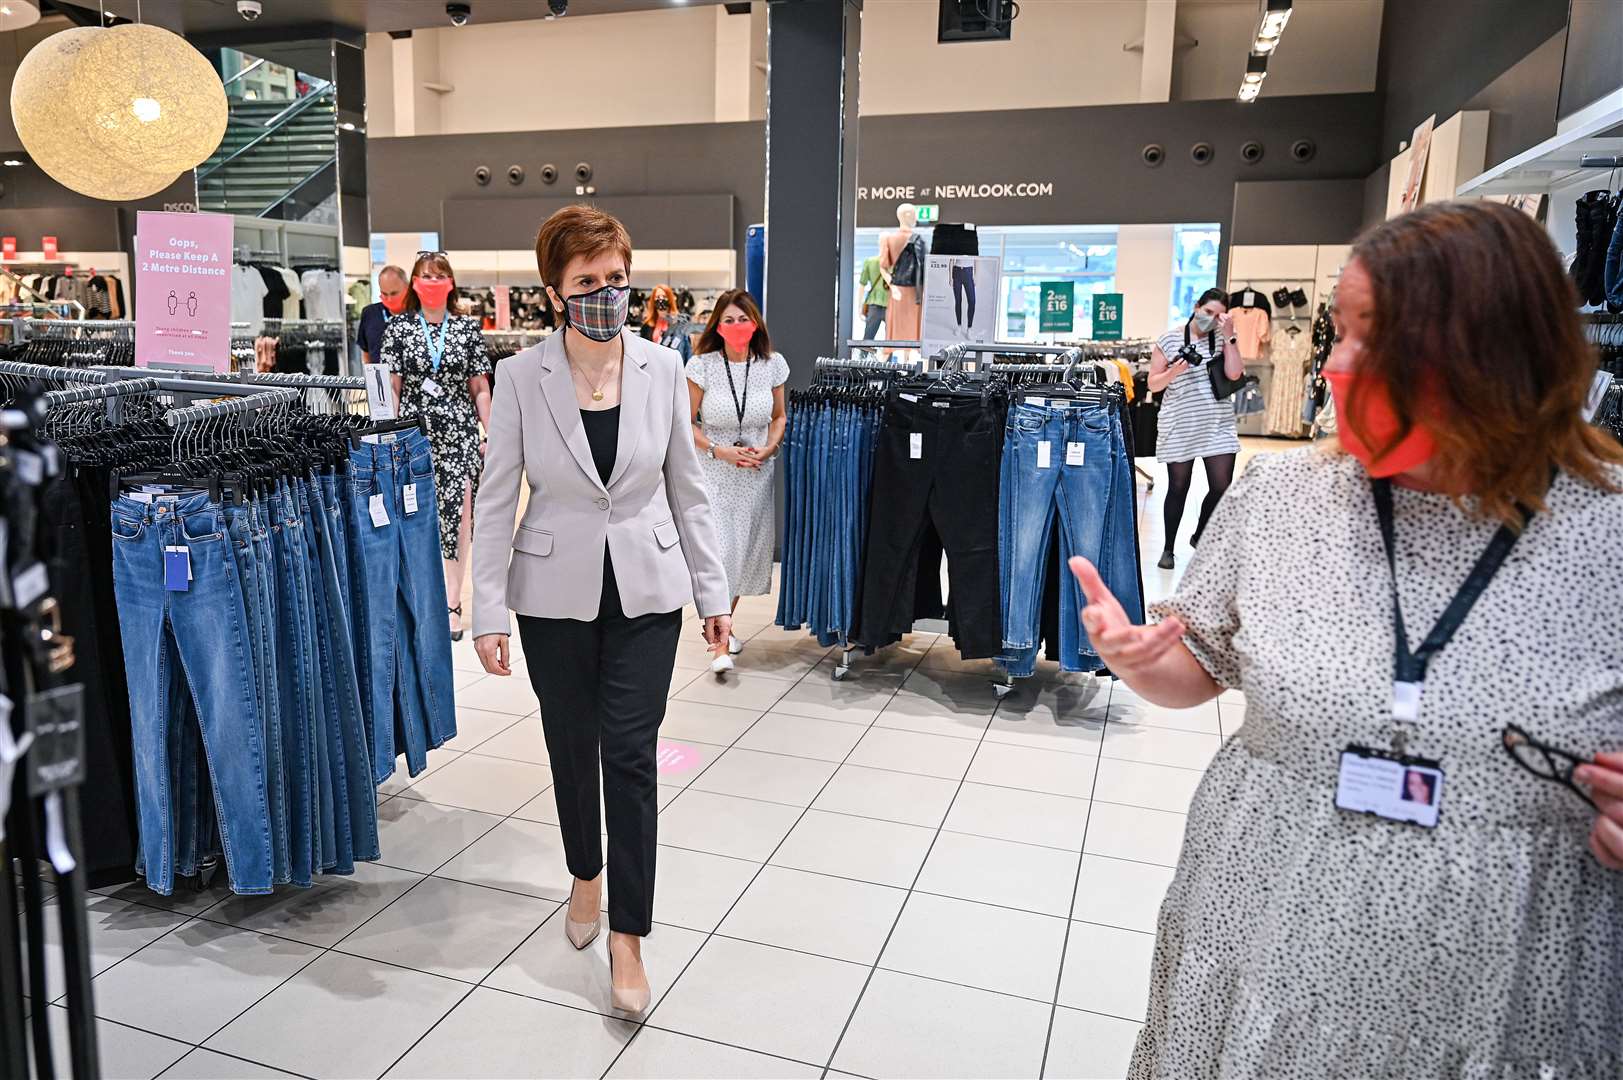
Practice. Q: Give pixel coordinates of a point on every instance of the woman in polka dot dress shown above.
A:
(1302, 940)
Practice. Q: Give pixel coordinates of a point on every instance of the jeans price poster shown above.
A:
(960, 300)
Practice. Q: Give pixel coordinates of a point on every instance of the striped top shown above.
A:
(1193, 423)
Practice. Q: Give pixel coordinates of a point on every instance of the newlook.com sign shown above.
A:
(1015, 189)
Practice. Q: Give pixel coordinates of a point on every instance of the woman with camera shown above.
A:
(1194, 422)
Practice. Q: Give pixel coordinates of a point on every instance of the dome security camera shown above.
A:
(583, 172)
(515, 175)
(481, 175)
(1302, 150)
(1202, 153)
(1153, 154)
(250, 10)
(459, 13)
(549, 174)
(558, 8)
(1251, 152)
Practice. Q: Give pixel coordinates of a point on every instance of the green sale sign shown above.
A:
(1055, 314)
(1107, 316)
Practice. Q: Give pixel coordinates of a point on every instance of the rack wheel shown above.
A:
(1002, 690)
(841, 671)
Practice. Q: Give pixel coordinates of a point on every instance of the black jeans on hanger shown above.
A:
(602, 686)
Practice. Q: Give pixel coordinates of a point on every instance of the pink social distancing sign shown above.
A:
(183, 291)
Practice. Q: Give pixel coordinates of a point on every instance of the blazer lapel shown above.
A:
(634, 388)
(559, 390)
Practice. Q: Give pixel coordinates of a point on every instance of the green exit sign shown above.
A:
(929, 212)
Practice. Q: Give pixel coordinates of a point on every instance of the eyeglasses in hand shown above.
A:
(1543, 760)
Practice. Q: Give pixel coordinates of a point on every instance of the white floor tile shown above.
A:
(889, 796)
(500, 693)
(548, 967)
(692, 654)
(1130, 832)
(659, 1055)
(942, 656)
(991, 948)
(1159, 745)
(1032, 769)
(738, 691)
(189, 984)
(523, 741)
(1115, 892)
(1002, 873)
(802, 736)
(781, 660)
(544, 807)
(1071, 732)
(911, 1027)
(881, 852)
(421, 836)
(1127, 707)
(857, 699)
(492, 1034)
(725, 825)
(751, 774)
(124, 1052)
(1088, 1046)
(474, 726)
(1155, 787)
(833, 917)
(694, 889)
(203, 1064)
(518, 856)
(341, 1016)
(321, 915)
(941, 703)
(1057, 699)
(487, 784)
(681, 763)
(1027, 817)
(117, 929)
(694, 721)
(761, 998)
(910, 751)
(400, 780)
(1107, 970)
(449, 928)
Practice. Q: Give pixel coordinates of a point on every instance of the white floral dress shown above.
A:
(740, 499)
(1301, 942)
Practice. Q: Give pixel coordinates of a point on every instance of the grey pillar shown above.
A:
(811, 176)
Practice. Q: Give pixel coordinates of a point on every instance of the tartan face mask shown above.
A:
(600, 313)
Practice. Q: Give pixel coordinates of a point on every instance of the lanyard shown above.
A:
(733, 389)
(436, 353)
(1409, 669)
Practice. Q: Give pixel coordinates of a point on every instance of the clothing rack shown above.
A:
(46, 373)
(197, 414)
(100, 391)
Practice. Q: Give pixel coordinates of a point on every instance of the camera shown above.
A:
(583, 173)
(559, 8)
(549, 174)
(515, 175)
(481, 175)
(1191, 356)
(459, 13)
(1153, 154)
(250, 10)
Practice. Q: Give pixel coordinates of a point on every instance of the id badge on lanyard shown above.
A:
(1391, 784)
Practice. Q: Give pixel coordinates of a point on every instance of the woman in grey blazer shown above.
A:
(616, 537)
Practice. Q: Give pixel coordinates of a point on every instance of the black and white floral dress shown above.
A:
(1301, 942)
(453, 422)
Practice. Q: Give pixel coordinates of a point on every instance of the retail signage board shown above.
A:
(48, 246)
(8, 247)
(1107, 316)
(1420, 150)
(1055, 315)
(961, 296)
(183, 291)
(929, 213)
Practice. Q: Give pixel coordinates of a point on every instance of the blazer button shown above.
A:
(602, 504)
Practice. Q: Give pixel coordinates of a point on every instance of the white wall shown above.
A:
(1144, 278)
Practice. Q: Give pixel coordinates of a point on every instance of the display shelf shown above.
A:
(1555, 163)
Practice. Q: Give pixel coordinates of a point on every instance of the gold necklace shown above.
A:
(597, 391)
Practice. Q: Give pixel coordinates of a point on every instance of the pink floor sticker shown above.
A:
(675, 758)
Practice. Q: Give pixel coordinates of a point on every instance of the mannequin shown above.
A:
(905, 300)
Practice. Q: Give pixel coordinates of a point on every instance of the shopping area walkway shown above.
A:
(891, 875)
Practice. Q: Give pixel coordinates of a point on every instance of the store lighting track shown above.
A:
(1270, 27)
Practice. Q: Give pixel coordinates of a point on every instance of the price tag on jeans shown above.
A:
(177, 569)
(380, 514)
(1074, 453)
(411, 498)
(915, 445)
(30, 467)
(1045, 454)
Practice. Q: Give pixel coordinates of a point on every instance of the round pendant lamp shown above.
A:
(117, 113)
(16, 14)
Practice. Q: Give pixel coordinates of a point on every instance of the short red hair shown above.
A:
(574, 231)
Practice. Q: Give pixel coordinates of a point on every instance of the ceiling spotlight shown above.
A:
(1271, 25)
(12, 163)
(1256, 70)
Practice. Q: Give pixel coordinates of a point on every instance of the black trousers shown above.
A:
(602, 686)
(950, 489)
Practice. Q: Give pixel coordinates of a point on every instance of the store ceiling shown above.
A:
(219, 17)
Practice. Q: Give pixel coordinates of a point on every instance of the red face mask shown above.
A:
(395, 304)
(433, 293)
(1377, 418)
(736, 334)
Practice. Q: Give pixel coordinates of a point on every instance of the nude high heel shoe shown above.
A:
(581, 934)
(631, 1000)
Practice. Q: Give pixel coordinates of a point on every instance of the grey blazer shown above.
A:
(654, 513)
